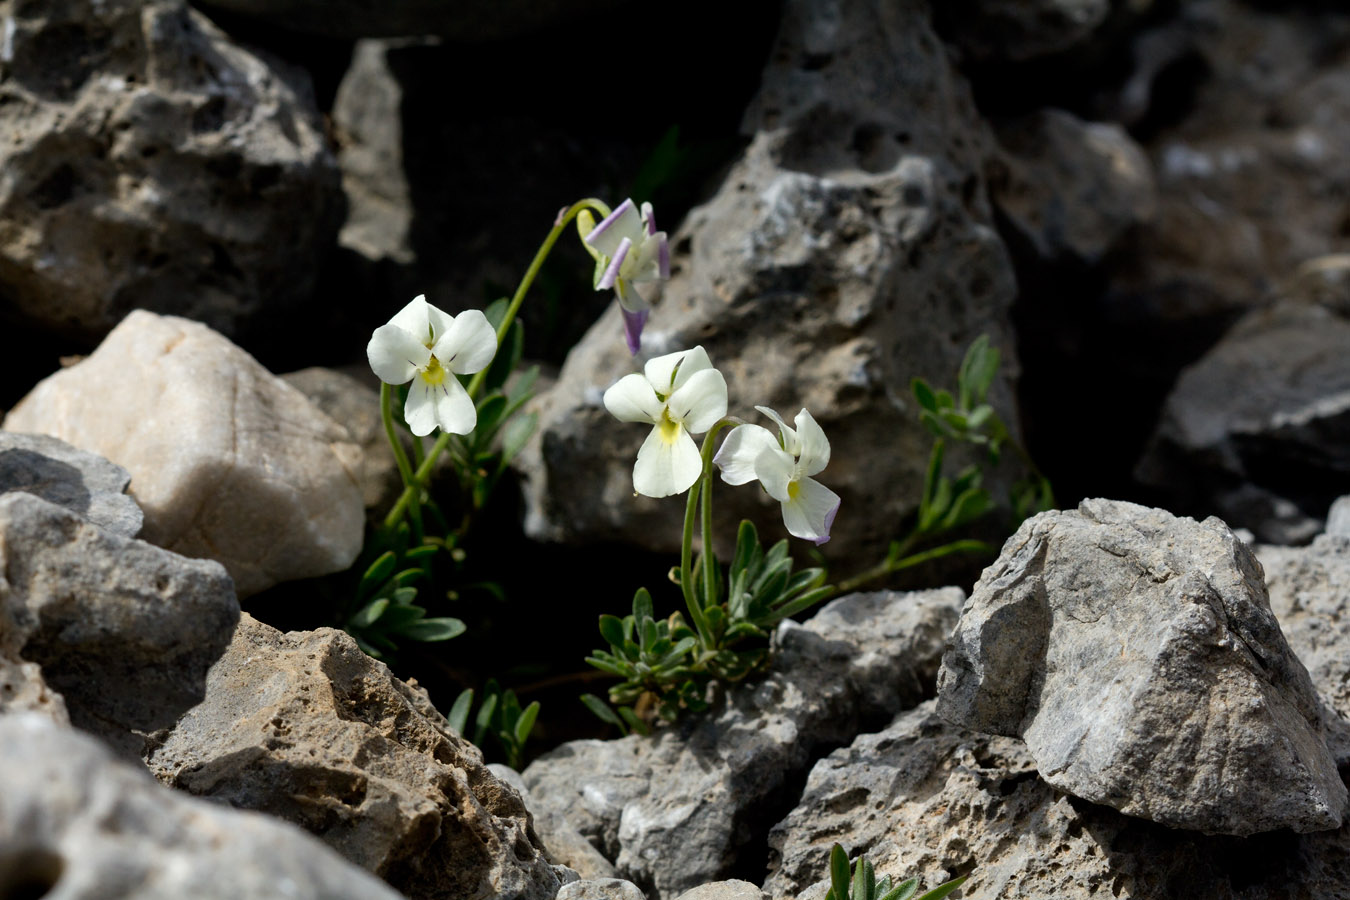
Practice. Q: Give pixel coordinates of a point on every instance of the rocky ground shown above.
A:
(205, 209)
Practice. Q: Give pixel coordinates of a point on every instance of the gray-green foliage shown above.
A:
(663, 666)
(865, 886)
(500, 716)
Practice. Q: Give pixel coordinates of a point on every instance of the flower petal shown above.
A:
(419, 410)
(455, 412)
(631, 399)
(624, 222)
(666, 467)
(632, 328)
(440, 322)
(414, 318)
(811, 513)
(790, 442)
(648, 218)
(395, 355)
(611, 273)
(700, 401)
(815, 447)
(736, 457)
(775, 470)
(468, 344)
(661, 371)
(629, 297)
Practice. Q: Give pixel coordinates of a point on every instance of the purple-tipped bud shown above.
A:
(608, 221)
(632, 328)
(649, 218)
(612, 271)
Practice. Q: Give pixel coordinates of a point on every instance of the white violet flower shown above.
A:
(628, 251)
(429, 347)
(784, 467)
(681, 394)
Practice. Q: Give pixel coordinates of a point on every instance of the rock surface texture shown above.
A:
(83, 483)
(675, 810)
(1259, 428)
(1137, 656)
(76, 824)
(149, 162)
(847, 251)
(123, 630)
(926, 798)
(305, 726)
(227, 461)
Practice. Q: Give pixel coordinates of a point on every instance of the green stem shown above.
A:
(424, 470)
(401, 459)
(687, 568)
(701, 489)
(894, 563)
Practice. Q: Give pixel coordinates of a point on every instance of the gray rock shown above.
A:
(227, 461)
(22, 687)
(1137, 655)
(601, 889)
(675, 809)
(724, 890)
(75, 824)
(1259, 428)
(563, 844)
(83, 483)
(1072, 189)
(1019, 30)
(124, 630)
(928, 799)
(306, 727)
(1338, 517)
(152, 163)
(848, 250)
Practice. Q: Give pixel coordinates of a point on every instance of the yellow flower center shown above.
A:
(793, 490)
(670, 430)
(434, 373)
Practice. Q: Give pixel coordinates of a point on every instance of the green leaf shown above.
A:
(611, 629)
(378, 571)
(495, 311)
(490, 411)
(943, 890)
(944, 400)
(459, 712)
(427, 630)
(485, 712)
(924, 394)
(642, 605)
(507, 358)
(839, 872)
(607, 663)
(369, 614)
(860, 879)
(516, 435)
(970, 505)
(526, 722)
(636, 724)
(600, 709)
(903, 891)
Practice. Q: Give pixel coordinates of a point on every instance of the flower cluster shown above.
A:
(628, 251)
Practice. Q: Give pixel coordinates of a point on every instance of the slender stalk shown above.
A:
(401, 459)
(891, 565)
(476, 384)
(687, 568)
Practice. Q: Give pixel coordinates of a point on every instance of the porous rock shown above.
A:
(227, 461)
(305, 726)
(849, 250)
(123, 630)
(675, 809)
(601, 889)
(79, 825)
(733, 889)
(928, 799)
(1020, 30)
(1258, 429)
(563, 844)
(82, 482)
(1137, 655)
(150, 162)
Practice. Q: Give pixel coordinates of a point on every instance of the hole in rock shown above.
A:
(28, 873)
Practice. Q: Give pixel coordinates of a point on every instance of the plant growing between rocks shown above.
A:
(864, 884)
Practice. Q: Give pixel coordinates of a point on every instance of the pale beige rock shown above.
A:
(226, 460)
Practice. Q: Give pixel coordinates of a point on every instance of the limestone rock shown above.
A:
(1137, 656)
(305, 726)
(226, 460)
(124, 630)
(1072, 189)
(1020, 30)
(1259, 428)
(928, 799)
(562, 842)
(1338, 517)
(601, 889)
(847, 251)
(724, 890)
(22, 688)
(79, 825)
(82, 482)
(149, 162)
(673, 810)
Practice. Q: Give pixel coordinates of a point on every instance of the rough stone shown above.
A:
(928, 799)
(1020, 30)
(1338, 517)
(305, 726)
(563, 844)
(847, 251)
(149, 162)
(1137, 655)
(601, 889)
(82, 482)
(76, 824)
(675, 810)
(123, 630)
(1259, 428)
(724, 890)
(227, 461)
(1071, 189)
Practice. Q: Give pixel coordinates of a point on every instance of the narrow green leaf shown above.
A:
(484, 719)
(428, 630)
(516, 435)
(839, 872)
(903, 891)
(860, 879)
(642, 605)
(636, 724)
(600, 709)
(611, 629)
(379, 571)
(924, 394)
(369, 613)
(526, 722)
(607, 664)
(943, 890)
(459, 712)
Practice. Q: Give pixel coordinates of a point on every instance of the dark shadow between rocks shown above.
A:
(40, 475)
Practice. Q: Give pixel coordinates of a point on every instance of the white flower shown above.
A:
(784, 467)
(680, 393)
(628, 251)
(429, 347)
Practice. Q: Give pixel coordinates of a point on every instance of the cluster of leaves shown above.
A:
(665, 666)
(500, 716)
(864, 884)
(420, 555)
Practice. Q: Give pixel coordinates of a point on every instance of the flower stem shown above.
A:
(687, 568)
(410, 488)
(895, 563)
(701, 489)
(476, 385)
